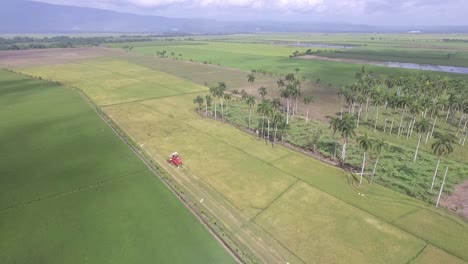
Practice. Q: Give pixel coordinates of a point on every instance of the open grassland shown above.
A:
(396, 170)
(283, 205)
(262, 52)
(72, 192)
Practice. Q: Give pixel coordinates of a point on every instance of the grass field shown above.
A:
(72, 192)
(248, 52)
(283, 205)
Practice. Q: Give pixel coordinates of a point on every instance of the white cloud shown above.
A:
(369, 11)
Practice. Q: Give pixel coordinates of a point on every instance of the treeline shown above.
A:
(456, 40)
(22, 43)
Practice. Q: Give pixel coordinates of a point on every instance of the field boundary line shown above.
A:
(406, 214)
(274, 200)
(346, 202)
(150, 98)
(38, 200)
(417, 255)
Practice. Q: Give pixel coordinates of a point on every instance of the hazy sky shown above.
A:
(383, 12)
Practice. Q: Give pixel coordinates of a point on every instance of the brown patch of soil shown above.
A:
(354, 61)
(42, 57)
(458, 200)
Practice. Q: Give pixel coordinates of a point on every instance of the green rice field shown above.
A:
(71, 191)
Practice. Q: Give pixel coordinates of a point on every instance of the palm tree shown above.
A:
(365, 143)
(198, 100)
(250, 80)
(296, 93)
(251, 103)
(262, 110)
(379, 146)
(308, 100)
(442, 148)
(228, 98)
(334, 125)
(214, 94)
(278, 121)
(280, 83)
(378, 99)
(220, 92)
(422, 126)
(208, 100)
(262, 92)
(286, 94)
(346, 127)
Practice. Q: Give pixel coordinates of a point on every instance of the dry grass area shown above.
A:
(45, 57)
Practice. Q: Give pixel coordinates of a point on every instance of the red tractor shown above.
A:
(175, 160)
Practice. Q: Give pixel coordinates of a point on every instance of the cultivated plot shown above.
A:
(72, 192)
(274, 192)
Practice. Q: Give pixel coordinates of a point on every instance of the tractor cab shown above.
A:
(175, 159)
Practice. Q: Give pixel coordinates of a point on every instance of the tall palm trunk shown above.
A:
(385, 125)
(287, 111)
(401, 122)
(263, 124)
(417, 147)
(367, 108)
(433, 126)
(274, 137)
(448, 113)
(375, 168)
(250, 115)
(442, 187)
(206, 108)
(307, 115)
(343, 151)
(376, 119)
(359, 115)
(363, 166)
(412, 126)
(268, 120)
(391, 126)
(222, 109)
(215, 107)
(435, 173)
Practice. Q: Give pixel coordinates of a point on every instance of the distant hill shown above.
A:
(22, 16)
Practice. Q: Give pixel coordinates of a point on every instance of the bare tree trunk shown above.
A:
(376, 119)
(417, 148)
(401, 123)
(412, 126)
(263, 124)
(250, 116)
(268, 120)
(433, 126)
(367, 108)
(215, 107)
(359, 115)
(276, 130)
(435, 174)
(375, 168)
(448, 112)
(222, 109)
(363, 166)
(442, 187)
(307, 115)
(343, 151)
(391, 127)
(206, 107)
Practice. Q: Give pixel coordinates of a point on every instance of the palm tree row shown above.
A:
(417, 99)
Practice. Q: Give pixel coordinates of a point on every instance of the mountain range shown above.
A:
(22, 16)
